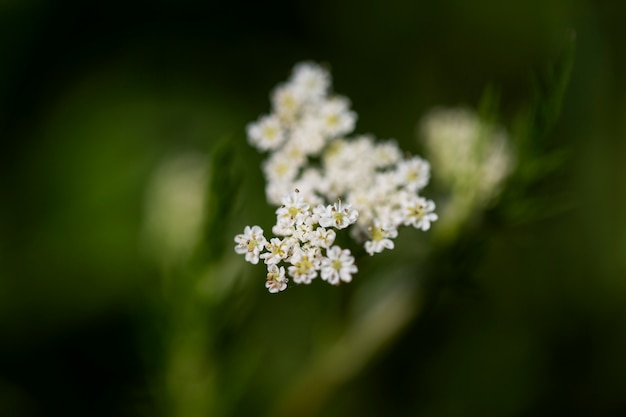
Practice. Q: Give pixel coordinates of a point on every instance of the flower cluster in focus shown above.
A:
(306, 243)
(324, 180)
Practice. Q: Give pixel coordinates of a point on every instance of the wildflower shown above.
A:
(250, 243)
(472, 157)
(310, 80)
(338, 215)
(287, 101)
(418, 213)
(336, 117)
(281, 168)
(338, 265)
(266, 134)
(386, 154)
(175, 207)
(293, 209)
(311, 185)
(413, 173)
(380, 238)
(322, 237)
(324, 181)
(304, 265)
(276, 280)
(308, 135)
(277, 251)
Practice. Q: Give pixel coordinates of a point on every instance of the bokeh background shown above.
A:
(126, 174)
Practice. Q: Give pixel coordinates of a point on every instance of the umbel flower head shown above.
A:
(324, 181)
(472, 157)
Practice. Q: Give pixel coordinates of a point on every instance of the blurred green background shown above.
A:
(106, 309)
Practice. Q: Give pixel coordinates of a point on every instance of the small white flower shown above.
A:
(303, 231)
(472, 156)
(380, 238)
(338, 265)
(413, 173)
(283, 229)
(266, 134)
(322, 237)
(287, 102)
(295, 152)
(349, 165)
(277, 251)
(334, 151)
(304, 265)
(419, 213)
(361, 199)
(293, 210)
(276, 190)
(276, 280)
(336, 117)
(338, 215)
(280, 167)
(308, 135)
(311, 80)
(250, 243)
(386, 154)
(310, 183)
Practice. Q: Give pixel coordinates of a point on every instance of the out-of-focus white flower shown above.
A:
(336, 117)
(380, 238)
(281, 168)
(175, 204)
(308, 136)
(468, 152)
(338, 265)
(413, 173)
(266, 133)
(386, 154)
(472, 159)
(311, 80)
(312, 186)
(287, 102)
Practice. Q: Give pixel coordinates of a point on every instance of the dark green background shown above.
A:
(526, 319)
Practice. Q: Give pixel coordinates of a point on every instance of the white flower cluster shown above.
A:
(373, 186)
(306, 243)
(472, 156)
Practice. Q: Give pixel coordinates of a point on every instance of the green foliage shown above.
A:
(226, 173)
(531, 195)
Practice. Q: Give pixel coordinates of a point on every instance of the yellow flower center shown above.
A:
(304, 266)
(270, 131)
(332, 120)
(377, 234)
(293, 211)
(336, 264)
(417, 211)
